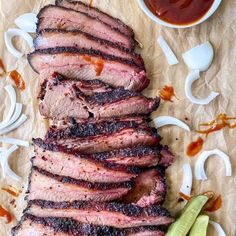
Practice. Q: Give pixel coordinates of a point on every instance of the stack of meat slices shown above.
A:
(100, 169)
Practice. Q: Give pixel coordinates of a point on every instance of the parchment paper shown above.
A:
(220, 30)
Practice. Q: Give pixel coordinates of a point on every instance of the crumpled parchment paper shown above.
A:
(220, 30)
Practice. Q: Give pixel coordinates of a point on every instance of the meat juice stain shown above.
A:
(179, 12)
(195, 147)
(214, 205)
(2, 68)
(12, 192)
(6, 214)
(220, 122)
(166, 93)
(99, 64)
(17, 78)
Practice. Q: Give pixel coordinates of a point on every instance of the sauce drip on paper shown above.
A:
(99, 64)
(195, 147)
(179, 12)
(166, 93)
(12, 192)
(220, 122)
(214, 205)
(17, 78)
(2, 68)
(6, 214)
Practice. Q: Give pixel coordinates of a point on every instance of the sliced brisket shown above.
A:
(46, 186)
(74, 165)
(65, 99)
(89, 64)
(50, 38)
(149, 189)
(50, 226)
(111, 214)
(103, 136)
(115, 23)
(57, 17)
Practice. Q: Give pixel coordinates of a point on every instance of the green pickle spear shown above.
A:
(188, 216)
(200, 226)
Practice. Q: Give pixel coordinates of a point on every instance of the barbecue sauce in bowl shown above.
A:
(179, 12)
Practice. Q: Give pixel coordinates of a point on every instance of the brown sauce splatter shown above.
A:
(185, 197)
(219, 123)
(91, 3)
(99, 64)
(2, 68)
(214, 204)
(17, 78)
(166, 93)
(6, 214)
(195, 147)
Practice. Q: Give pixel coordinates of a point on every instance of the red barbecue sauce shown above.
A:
(17, 78)
(5, 213)
(220, 122)
(195, 147)
(99, 64)
(214, 205)
(2, 68)
(166, 93)
(179, 12)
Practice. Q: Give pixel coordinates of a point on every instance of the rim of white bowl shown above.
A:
(210, 12)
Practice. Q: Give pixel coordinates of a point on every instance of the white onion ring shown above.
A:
(169, 120)
(218, 228)
(186, 186)
(12, 94)
(169, 54)
(7, 171)
(9, 34)
(15, 125)
(27, 22)
(199, 166)
(192, 77)
(199, 57)
(16, 115)
(15, 141)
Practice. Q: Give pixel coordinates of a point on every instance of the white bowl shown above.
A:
(210, 12)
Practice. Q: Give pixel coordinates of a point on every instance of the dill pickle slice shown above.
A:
(200, 226)
(189, 214)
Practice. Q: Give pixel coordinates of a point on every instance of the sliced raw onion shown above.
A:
(186, 186)
(16, 115)
(199, 57)
(15, 141)
(27, 22)
(169, 54)
(192, 77)
(12, 94)
(169, 120)
(7, 171)
(15, 125)
(9, 34)
(200, 164)
(218, 228)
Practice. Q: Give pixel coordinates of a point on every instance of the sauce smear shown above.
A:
(5, 213)
(214, 205)
(220, 122)
(2, 68)
(166, 93)
(99, 64)
(195, 147)
(91, 3)
(185, 197)
(12, 192)
(17, 78)
(179, 12)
